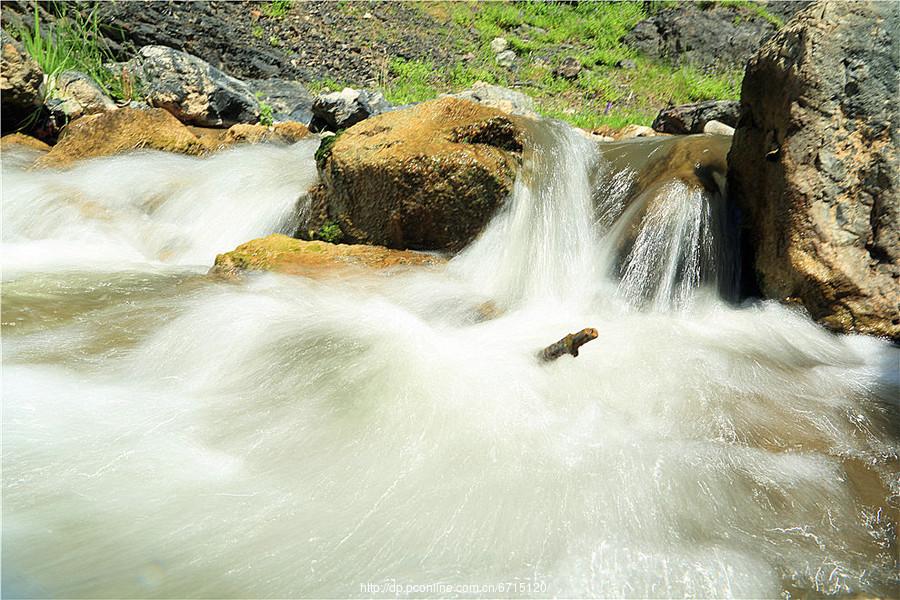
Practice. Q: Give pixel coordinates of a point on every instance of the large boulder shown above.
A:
(20, 84)
(692, 118)
(814, 165)
(426, 177)
(192, 89)
(283, 254)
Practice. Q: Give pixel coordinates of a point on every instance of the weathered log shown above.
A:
(568, 345)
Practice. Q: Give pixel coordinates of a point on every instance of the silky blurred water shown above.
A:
(166, 434)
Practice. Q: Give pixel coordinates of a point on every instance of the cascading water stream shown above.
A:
(169, 435)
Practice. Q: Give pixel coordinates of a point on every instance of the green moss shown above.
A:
(329, 232)
(324, 150)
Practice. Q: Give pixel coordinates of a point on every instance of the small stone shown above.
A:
(569, 68)
(499, 45)
(718, 128)
(506, 59)
(626, 64)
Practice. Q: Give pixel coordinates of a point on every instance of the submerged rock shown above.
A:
(284, 254)
(192, 89)
(692, 118)
(814, 165)
(427, 177)
(20, 84)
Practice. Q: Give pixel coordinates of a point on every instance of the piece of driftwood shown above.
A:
(568, 345)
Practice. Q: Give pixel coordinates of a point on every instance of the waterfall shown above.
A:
(166, 434)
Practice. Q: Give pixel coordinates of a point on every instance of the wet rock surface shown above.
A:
(814, 165)
(120, 131)
(427, 177)
(283, 254)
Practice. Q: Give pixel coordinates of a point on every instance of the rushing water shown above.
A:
(168, 435)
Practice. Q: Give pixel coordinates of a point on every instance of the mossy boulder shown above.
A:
(283, 254)
(427, 177)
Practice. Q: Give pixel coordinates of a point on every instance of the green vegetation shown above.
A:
(74, 43)
(754, 8)
(603, 94)
(258, 32)
(327, 84)
(277, 8)
(329, 232)
(266, 113)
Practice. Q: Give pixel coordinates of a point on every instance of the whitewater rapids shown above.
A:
(166, 434)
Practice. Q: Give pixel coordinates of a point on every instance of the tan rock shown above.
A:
(127, 129)
(814, 165)
(286, 133)
(283, 254)
(20, 140)
(428, 177)
(120, 131)
(635, 131)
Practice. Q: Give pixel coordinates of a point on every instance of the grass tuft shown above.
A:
(74, 43)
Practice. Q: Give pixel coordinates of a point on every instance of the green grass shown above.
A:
(266, 113)
(754, 8)
(73, 43)
(277, 9)
(325, 85)
(602, 94)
